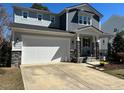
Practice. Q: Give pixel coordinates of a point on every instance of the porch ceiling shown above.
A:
(89, 30)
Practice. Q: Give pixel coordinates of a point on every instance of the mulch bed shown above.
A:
(113, 66)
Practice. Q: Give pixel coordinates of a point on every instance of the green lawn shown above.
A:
(11, 79)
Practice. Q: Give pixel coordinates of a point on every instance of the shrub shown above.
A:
(117, 46)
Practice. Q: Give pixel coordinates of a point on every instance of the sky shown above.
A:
(107, 9)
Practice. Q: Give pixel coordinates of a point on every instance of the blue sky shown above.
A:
(107, 9)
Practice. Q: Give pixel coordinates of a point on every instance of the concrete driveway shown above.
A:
(67, 76)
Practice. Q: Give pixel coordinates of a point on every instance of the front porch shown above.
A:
(87, 43)
(88, 46)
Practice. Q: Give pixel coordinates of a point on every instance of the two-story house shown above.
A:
(41, 37)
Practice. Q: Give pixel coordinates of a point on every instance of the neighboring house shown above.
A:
(105, 44)
(115, 24)
(41, 36)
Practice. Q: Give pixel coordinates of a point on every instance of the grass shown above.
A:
(11, 79)
(116, 72)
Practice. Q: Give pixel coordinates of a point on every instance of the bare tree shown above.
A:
(5, 37)
(5, 32)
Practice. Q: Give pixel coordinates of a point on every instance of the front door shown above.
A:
(86, 46)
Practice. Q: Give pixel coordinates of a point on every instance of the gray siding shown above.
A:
(95, 22)
(103, 46)
(103, 43)
(73, 21)
(63, 21)
(32, 19)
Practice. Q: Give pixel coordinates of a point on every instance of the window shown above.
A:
(52, 18)
(103, 42)
(40, 17)
(80, 20)
(25, 14)
(88, 20)
(84, 20)
(115, 30)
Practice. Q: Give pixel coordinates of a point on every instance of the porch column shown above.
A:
(97, 47)
(78, 47)
(94, 46)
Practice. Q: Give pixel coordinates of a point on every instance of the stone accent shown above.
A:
(78, 51)
(97, 49)
(16, 58)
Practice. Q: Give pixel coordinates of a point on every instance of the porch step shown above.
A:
(89, 59)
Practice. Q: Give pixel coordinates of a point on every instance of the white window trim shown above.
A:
(27, 14)
(91, 20)
(54, 19)
(79, 20)
(83, 20)
(41, 15)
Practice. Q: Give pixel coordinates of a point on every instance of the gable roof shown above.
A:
(89, 30)
(92, 27)
(67, 8)
(85, 4)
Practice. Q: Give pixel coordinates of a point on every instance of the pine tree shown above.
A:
(39, 7)
(118, 44)
(117, 47)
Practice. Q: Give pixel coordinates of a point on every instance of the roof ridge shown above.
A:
(33, 9)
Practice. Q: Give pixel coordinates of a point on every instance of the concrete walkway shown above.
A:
(67, 76)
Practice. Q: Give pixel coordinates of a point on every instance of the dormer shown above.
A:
(35, 17)
(82, 15)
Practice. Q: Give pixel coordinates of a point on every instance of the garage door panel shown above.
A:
(44, 41)
(44, 50)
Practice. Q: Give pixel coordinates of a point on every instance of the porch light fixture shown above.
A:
(98, 41)
(17, 40)
(78, 39)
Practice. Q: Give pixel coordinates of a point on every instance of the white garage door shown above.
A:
(45, 49)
